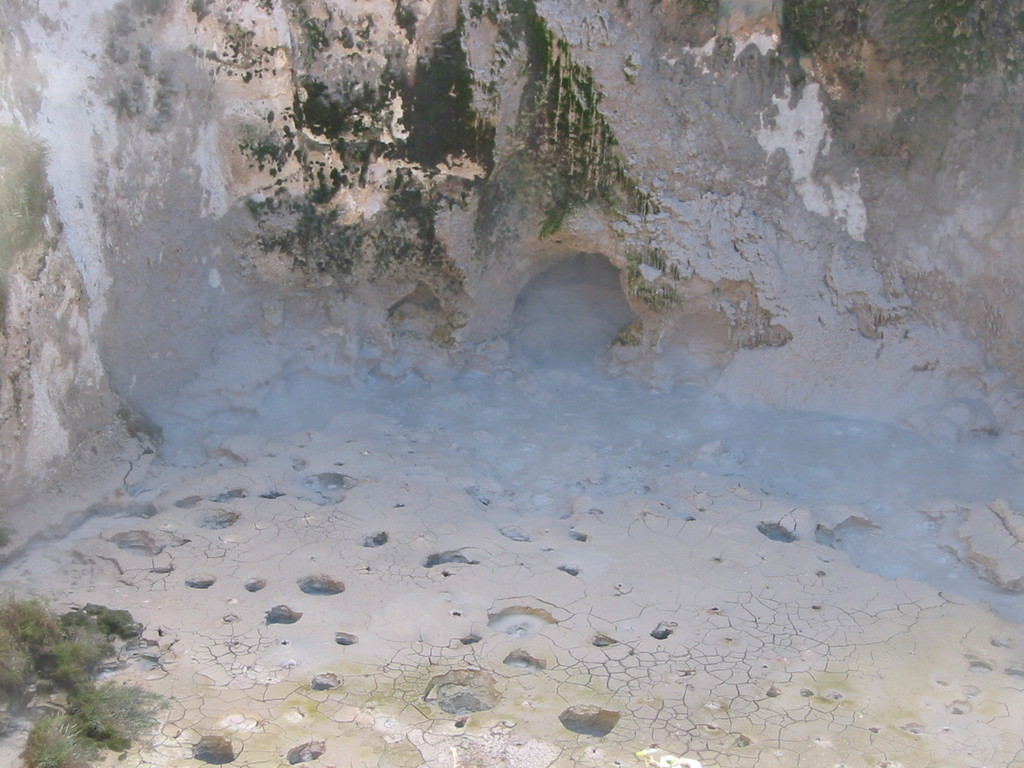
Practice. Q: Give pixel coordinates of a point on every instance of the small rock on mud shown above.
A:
(137, 542)
(589, 720)
(214, 750)
(219, 519)
(303, 753)
(451, 556)
(282, 614)
(320, 585)
(776, 532)
(663, 630)
(378, 539)
(463, 691)
(514, 532)
(325, 682)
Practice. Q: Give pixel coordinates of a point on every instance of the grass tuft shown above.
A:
(41, 651)
(24, 193)
(114, 715)
(55, 742)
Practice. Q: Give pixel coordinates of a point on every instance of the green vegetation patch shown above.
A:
(24, 193)
(341, 128)
(566, 156)
(402, 234)
(350, 120)
(440, 116)
(350, 109)
(28, 630)
(631, 334)
(953, 40)
(654, 296)
(405, 17)
(312, 236)
(42, 652)
(920, 56)
(808, 25)
(102, 620)
(114, 715)
(65, 651)
(57, 742)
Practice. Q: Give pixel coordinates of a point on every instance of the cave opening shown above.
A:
(570, 314)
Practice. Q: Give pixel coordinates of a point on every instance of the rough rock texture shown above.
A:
(992, 543)
(54, 396)
(821, 211)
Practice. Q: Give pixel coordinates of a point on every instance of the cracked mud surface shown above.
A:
(287, 629)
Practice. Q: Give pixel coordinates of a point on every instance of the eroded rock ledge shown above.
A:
(812, 205)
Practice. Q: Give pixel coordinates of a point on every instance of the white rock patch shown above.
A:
(801, 132)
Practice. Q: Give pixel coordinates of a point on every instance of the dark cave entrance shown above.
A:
(569, 315)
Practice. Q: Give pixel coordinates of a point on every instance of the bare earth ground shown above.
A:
(597, 595)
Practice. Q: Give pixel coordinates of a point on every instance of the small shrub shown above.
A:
(107, 621)
(115, 715)
(71, 664)
(38, 646)
(16, 669)
(27, 630)
(55, 742)
(24, 193)
(31, 624)
(66, 650)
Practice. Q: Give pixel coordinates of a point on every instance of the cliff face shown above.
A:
(822, 212)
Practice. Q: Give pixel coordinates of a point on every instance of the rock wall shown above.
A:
(809, 204)
(54, 396)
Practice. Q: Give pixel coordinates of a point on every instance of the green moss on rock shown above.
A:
(440, 117)
(808, 25)
(569, 156)
(311, 32)
(346, 108)
(952, 40)
(919, 58)
(654, 296)
(939, 43)
(631, 334)
(311, 235)
(106, 621)
(565, 155)
(405, 17)
(261, 147)
(353, 117)
(402, 236)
